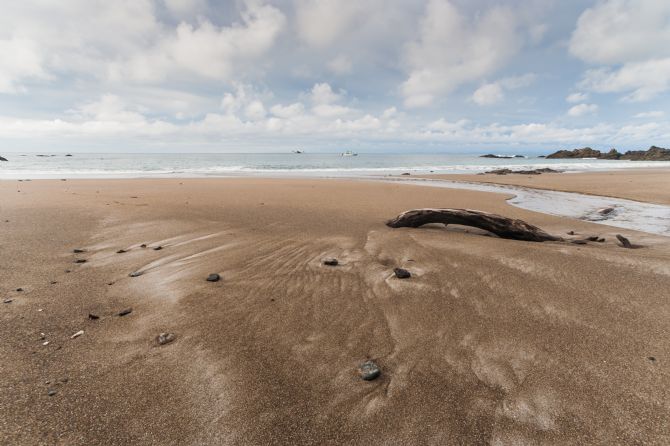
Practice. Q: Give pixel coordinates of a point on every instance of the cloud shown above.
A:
(493, 93)
(577, 97)
(321, 22)
(453, 49)
(650, 114)
(631, 39)
(340, 65)
(323, 94)
(582, 109)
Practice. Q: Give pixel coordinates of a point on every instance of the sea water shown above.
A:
(117, 165)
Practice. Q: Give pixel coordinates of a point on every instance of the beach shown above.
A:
(490, 341)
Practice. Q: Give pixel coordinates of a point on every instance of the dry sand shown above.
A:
(490, 342)
(650, 185)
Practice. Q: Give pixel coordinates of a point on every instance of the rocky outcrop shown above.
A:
(522, 172)
(491, 155)
(652, 154)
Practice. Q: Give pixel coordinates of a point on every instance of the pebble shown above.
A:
(77, 334)
(120, 251)
(214, 277)
(578, 242)
(80, 261)
(78, 251)
(143, 245)
(165, 338)
(51, 392)
(135, 274)
(7, 301)
(158, 248)
(402, 273)
(331, 262)
(369, 370)
(125, 311)
(93, 317)
(19, 289)
(53, 282)
(45, 343)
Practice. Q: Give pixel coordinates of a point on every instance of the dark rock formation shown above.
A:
(402, 273)
(214, 277)
(331, 262)
(652, 154)
(125, 311)
(491, 155)
(523, 172)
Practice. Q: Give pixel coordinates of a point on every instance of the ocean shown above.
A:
(116, 165)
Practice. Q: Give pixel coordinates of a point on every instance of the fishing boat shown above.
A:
(348, 153)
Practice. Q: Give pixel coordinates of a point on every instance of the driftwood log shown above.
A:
(501, 226)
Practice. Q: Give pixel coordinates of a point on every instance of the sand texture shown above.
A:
(491, 341)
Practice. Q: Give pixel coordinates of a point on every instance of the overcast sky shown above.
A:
(372, 75)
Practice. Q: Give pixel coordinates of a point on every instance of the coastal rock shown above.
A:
(135, 274)
(214, 277)
(68, 154)
(605, 211)
(523, 172)
(331, 262)
(80, 261)
(78, 250)
(586, 152)
(491, 155)
(165, 338)
(402, 273)
(654, 153)
(120, 251)
(158, 248)
(93, 317)
(125, 311)
(51, 392)
(369, 370)
(3, 158)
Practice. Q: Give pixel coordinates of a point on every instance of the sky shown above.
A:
(329, 75)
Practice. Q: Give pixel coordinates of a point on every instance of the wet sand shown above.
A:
(649, 185)
(490, 341)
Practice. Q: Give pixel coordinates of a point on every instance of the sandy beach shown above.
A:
(491, 341)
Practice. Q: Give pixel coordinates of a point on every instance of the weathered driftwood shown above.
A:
(497, 224)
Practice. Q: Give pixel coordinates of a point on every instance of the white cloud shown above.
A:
(650, 114)
(582, 109)
(323, 94)
(322, 22)
(288, 111)
(493, 93)
(340, 65)
(643, 80)
(453, 49)
(577, 97)
(631, 37)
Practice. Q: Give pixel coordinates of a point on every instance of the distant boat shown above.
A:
(348, 153)
(298, 151)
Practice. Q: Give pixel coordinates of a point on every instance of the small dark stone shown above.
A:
(143, 245)
(158, 248)
(165, 338)
(571, 232)
(402, 273)
(605, 211)
(593, 238)
(214, 277)
(19, 289)
(51, 392)
(578, 242)
(7, 301)
(53, 282)
(601, 240)
(369, 370)
(651, 358)
(64, 380)
(93, 317)
(80, 261)
(78, 251)
(135, 274)
(68, 271)
(624, 241)
(120, 251)
(405, 174)
(331, 262)
(125, 311)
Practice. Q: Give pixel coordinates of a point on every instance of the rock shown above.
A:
(93, 317)
(77, 334)
(523, 172)
(125, 311)
(51, 392)
(135, 274)
(571, 232)
(78, 250)
(143, 245)
(605, 211)
(369, 370)
(165, 338)
(80, 261)
(624, 241)
(158, 248)
(401, 273)
(491, 155)
(19, 289)
(586, 152)
(405, 174)
(578, 242)
(53, 282)
(3, 158)
(331, 262)
(214, 277)
(593, 238)
(652, 154)
(8, 301)
(120, 251)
